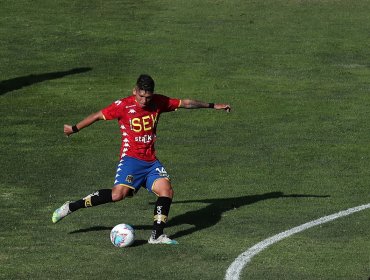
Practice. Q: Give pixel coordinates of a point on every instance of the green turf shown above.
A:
(294, 148)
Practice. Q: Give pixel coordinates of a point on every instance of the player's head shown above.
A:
(146, 83)
(144, 90)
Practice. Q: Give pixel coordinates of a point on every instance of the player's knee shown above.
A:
(162, 187)
(117, 197)
(166, 192)
(120, 192)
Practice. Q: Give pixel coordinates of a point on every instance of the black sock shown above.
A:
(161, 210)
(94, 199)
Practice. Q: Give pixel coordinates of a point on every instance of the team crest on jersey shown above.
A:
(129, 179)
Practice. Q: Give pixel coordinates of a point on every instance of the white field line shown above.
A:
(234, 270)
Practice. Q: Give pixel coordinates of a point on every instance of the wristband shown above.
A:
(75, 129)
(211, 105)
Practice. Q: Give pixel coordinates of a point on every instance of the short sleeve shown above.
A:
(111, 112)
(168, 104)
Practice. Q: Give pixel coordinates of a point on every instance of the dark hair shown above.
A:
(145, 82)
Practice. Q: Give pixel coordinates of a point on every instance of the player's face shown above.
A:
(143, 97)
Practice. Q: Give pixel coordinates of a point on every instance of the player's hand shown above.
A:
(68, 130)
(225, 107)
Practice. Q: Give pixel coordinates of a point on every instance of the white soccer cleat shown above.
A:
(163, 239)
(61, 212)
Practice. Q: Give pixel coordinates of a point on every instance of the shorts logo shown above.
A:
(129, 179)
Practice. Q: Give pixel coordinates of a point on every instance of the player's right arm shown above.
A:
(89, 120)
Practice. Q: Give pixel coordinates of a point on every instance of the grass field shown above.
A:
(294, 148)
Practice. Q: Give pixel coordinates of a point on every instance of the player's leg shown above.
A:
(124, 187)
(99, 197)
(163, 189)
(96, 198)
(117, 193)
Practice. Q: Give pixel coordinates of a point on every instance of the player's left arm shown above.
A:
(195, 104)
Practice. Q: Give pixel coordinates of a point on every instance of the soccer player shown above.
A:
(137, 117)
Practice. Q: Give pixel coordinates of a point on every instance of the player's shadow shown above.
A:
(207, 216)
(20, 82)
(211, 214)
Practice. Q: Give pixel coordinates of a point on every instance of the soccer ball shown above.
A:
(122, 235)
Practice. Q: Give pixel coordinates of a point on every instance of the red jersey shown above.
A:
(138, 125)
